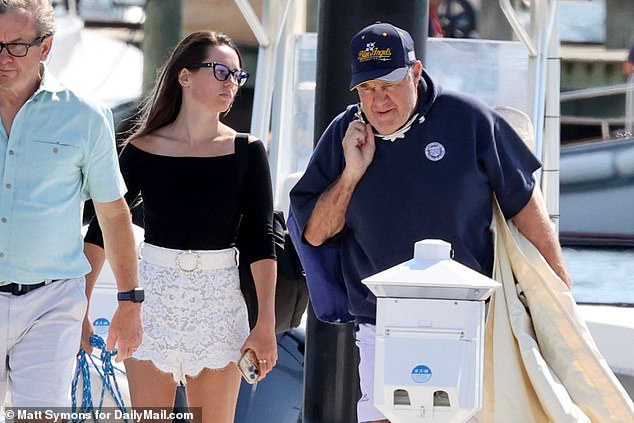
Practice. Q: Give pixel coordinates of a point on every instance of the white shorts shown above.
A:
(40, 334)
(193, 319)
(366, 340)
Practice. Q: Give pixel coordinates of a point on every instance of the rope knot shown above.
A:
(108, 378)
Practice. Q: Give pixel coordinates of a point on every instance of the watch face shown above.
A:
(138, 295)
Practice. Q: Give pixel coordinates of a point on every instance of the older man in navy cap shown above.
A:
(410, 162)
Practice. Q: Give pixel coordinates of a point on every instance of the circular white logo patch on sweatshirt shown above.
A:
(435, 151)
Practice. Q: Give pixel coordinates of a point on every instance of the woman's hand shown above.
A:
(263, 342)
(262, 339)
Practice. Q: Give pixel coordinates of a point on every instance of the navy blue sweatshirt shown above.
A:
(436, 182)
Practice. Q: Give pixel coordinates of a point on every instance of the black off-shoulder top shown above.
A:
(198, 203)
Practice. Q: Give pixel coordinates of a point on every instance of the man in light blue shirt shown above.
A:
(56, 150)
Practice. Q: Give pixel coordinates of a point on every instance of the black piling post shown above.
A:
(331, 382)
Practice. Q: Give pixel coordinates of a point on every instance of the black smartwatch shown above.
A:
(137, 295)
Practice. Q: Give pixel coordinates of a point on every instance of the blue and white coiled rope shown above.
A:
(108, 379)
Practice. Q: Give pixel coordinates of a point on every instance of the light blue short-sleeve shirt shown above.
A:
(60, 152)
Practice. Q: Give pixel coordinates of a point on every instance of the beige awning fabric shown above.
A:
(541, 363)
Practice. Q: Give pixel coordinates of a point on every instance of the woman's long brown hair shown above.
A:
(164, 102)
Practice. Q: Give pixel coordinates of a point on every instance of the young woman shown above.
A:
(182, 161)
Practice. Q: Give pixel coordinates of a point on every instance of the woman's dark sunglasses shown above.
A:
(222, 72)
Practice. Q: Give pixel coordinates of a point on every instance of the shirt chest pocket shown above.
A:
(50, 170)
(47, 163)
(53, 155)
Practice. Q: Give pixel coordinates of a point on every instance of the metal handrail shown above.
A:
(591, 120)
(629, 106)
(513, 20)
(596, 92)
(627, 89)
(254, 22)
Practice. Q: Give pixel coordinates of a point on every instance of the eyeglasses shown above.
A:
(20, 49)
(222, 72)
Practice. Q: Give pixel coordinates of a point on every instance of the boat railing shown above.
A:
(629, 106)
(627, 120)
(596, 92)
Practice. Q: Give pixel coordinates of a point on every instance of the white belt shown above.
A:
(189, 260)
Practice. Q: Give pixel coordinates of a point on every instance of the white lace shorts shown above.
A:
(194, 318)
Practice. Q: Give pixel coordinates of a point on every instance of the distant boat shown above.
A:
(101, 67)
(597, 179)
(597, 193)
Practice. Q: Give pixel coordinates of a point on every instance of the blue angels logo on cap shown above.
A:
(372, 53)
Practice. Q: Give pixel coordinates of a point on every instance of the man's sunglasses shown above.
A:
(222, 72)
(20, 49)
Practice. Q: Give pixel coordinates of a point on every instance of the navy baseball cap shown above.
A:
(380, 51)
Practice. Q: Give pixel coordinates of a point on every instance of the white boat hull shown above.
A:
(612, 328)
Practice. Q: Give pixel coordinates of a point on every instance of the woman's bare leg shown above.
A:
(149, 387)
(216, 392)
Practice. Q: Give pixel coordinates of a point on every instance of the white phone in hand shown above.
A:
(248, 367)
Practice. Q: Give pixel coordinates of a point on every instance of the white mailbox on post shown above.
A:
(429, 337)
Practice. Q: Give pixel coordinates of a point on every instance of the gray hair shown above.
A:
(410, 71)
(42, 10)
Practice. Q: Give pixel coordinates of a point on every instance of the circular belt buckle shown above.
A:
(188, 261)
